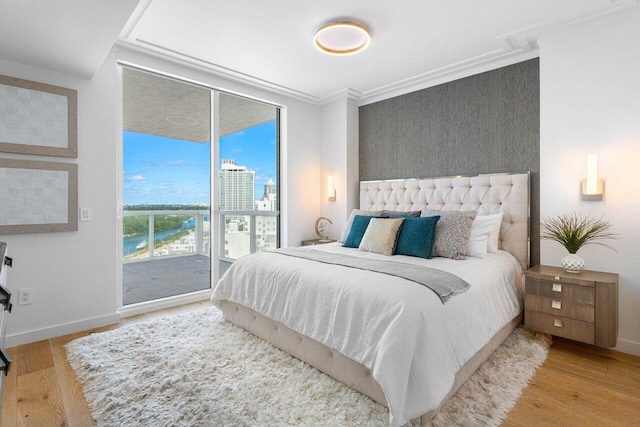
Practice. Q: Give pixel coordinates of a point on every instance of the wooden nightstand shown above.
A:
(579, 306)
(315, 242)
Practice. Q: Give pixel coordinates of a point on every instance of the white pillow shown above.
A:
(485, 231)
(477, 246)
(494, 237)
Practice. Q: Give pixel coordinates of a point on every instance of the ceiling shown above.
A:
(72, 36)
(270, 42)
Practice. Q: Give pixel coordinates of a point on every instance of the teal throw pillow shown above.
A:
(358, 228)
(417, 236)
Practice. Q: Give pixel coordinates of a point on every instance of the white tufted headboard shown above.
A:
(486, 194)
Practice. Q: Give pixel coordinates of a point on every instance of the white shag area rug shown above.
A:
(197, 369)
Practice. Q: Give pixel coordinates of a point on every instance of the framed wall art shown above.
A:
(38, 197)
(37, 118)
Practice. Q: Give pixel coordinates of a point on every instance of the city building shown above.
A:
(236, 187)
(267, 226)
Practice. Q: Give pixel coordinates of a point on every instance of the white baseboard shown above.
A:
(161, 304)
(61, 329)
(629, 347)
(110, 319)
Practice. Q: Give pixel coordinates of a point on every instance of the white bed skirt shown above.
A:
(340, 367)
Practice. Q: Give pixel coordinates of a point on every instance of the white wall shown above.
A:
(590, 103)
(339, 123)
(73, 275)
(300, 160)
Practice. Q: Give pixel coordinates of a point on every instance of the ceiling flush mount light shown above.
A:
(342, 38)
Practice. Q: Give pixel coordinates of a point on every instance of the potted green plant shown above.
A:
(573, 232)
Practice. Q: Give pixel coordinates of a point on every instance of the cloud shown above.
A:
(174, 162)
(136, 178)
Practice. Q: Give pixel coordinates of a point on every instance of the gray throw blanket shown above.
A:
(443, 283)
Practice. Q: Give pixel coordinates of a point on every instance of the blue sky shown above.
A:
(161, 170)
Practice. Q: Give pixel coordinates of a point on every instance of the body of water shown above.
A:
(130, 244)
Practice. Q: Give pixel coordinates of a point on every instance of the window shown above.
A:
(166, 223)
(248, 177)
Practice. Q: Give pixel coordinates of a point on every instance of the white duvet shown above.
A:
(400, 330)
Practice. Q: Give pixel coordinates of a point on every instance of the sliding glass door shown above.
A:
(166, 184)
(172, 173)
(248, 181)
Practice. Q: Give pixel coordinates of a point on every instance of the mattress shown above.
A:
(411, 343)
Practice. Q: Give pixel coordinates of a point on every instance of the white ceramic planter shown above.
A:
(572, 263)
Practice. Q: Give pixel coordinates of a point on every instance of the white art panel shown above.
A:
(32, 117)
(34, 196)
(37, 118)
(38, 197)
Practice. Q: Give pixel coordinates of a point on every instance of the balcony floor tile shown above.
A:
(164, 277)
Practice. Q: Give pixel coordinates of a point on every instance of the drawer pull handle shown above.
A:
(557, 287)
(557, 323)
(556, 304)
(7, 362)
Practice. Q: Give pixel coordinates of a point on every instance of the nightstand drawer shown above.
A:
(559, 290)
(559, 307)
(560, 326)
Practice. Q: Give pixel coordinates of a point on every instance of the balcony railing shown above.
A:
(191, 237)
(245, 232)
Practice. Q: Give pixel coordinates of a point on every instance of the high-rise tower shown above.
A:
(236, 187)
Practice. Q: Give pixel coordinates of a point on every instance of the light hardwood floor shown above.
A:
(578, 385)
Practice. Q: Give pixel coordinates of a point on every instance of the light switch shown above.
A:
(85, 214)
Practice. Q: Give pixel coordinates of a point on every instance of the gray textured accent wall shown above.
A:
(485, 123)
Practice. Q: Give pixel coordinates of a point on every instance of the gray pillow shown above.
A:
(452, 232)
(347, 229)
(400, 214)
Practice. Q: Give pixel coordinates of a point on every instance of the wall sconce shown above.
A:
(592, 187)
(331, 189)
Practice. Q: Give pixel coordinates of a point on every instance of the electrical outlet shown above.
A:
(25, 296)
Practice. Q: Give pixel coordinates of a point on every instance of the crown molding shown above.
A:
(518, 46)
(351, 95)
(468, 67)
(527, 38)
(214, 69)
(561, 31)
(131, 29)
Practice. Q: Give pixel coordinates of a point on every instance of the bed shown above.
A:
(385, 336)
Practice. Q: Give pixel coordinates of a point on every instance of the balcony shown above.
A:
(165, 253)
